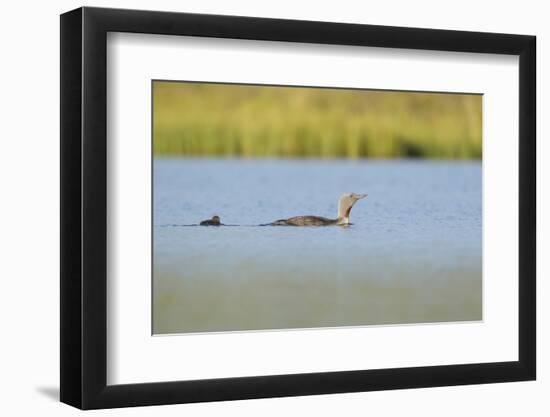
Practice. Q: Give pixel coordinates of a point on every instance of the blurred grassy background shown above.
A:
(214, 120)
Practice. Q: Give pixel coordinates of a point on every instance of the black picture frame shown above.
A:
(84, 207)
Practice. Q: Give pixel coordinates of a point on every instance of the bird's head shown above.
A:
(347, 200)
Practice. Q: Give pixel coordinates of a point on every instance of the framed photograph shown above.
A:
(257, 208)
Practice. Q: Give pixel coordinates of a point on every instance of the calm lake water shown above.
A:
(412, 254)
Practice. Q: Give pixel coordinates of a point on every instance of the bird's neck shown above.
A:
(343, 213)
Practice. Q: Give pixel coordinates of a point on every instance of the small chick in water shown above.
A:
(214, 221)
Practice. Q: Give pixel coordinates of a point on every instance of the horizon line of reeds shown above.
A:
(220, 120)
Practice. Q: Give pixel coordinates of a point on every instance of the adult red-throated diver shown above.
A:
(345, 204)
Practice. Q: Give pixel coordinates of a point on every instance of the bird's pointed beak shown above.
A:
(360, 196)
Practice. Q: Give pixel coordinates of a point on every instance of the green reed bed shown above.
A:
(216, 120)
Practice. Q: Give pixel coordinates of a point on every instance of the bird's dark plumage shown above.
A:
(214, 221)
(305, 221)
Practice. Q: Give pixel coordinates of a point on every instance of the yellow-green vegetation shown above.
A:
(214, 120)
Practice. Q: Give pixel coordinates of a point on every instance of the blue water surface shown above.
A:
(412, 253)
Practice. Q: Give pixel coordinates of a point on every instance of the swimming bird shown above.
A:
(214, 221)
(345, 204)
